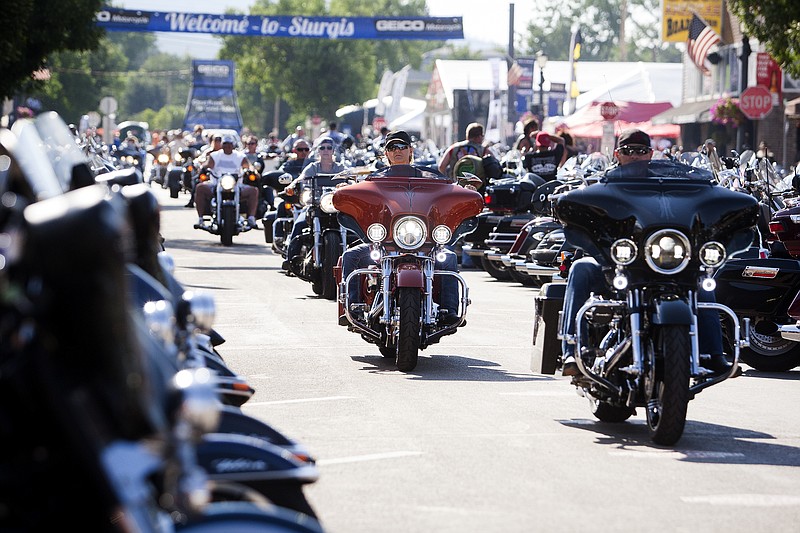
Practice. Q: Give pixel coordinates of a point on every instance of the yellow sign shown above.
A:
(678, 14)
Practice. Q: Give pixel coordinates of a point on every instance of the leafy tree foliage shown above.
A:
(33, 29)
(600, 25)
(776, 23)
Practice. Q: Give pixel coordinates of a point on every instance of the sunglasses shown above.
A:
(325, 147)
(396, 147)
(252, 143)
(629, 150)
(301, 149)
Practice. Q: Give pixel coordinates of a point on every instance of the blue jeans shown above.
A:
(586, 276)
(357, 257)
(294, 239)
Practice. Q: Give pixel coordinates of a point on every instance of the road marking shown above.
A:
(370, 457)
(540, 393)
(299, 400)
(673, 454)
(746, 500)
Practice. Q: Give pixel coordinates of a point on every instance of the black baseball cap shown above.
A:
(397, 137)
(633, 137)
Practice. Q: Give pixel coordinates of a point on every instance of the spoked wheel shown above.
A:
(667, 384)
(496, 269)
(409, 302)
(330, 256)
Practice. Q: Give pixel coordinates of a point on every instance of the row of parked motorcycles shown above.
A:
(118, 411)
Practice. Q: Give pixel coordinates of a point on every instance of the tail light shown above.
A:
(487, 199)
(775, 226)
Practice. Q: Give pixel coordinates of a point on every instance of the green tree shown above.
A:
(777, 25)
(162, 79)
(34, 29)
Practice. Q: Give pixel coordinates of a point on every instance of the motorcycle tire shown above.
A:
(409, 302)
(524, 279)
(330, 256)
(389, 352)
(496, 269)
(613, 414)
(669, 398)
(228, 226)
(771, 353)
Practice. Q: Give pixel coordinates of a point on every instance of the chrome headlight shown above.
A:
(163, 159)
(667, 251)
(227, 182)
(409, 232)
(376, 232)
(441, 234)
(306, 197)
(178, 158)
(623, 252)
(326, 203)
(712, 254)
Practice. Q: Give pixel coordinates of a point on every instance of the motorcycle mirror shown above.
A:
(285, 178)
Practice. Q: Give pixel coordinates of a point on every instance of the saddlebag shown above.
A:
(546, 346)
(753, 287)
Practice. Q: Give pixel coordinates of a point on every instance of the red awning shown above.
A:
(588, 122)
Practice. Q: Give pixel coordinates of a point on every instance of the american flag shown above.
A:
(701, 39)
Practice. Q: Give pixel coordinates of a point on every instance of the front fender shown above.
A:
(410, 275)
(671, 311)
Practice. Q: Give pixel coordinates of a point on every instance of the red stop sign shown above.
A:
(755, 102)
(609, 110)
(378, 122)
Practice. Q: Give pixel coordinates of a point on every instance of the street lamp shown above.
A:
(541, 62)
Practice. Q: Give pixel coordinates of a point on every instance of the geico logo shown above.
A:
(400, 25)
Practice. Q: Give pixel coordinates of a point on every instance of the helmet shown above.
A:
(469, 163)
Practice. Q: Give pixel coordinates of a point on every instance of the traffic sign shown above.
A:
(378, 122)
(755, 102)
(108, 105)
(609, 110)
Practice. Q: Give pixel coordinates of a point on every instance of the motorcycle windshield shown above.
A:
(385, 197)
(635, 200)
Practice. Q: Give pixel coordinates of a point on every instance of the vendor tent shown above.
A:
(588, 121)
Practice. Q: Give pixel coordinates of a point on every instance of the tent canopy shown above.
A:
(587, 122)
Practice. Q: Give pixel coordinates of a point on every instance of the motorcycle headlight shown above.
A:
(712, 254)
(178, 158)
(326, 203)
(376, 232)
(441, 234)
(623, 252)
(227, 182)
(409, 233)
(163, 159)
(667, 251)
(306, 197)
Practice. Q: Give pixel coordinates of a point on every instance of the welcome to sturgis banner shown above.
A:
(417, 28)
(212, 101)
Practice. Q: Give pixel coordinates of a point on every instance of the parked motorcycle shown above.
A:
(659, 231)
(408, 215)
(227, 219)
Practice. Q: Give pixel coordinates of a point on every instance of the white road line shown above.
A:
(746, 500)
(299, 400)
(370, 457)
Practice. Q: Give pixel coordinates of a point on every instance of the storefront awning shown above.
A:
(792, 109)
(686, 113)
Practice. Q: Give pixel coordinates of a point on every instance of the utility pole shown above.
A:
(512, 96)
(623, 15)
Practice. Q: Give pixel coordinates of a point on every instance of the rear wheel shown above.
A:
(409, 302)
(667, 384)
(390, 352)
(770, 352)
(496, 269)
(605, 412)
(330, 256)
(228, 220)
(524, 279)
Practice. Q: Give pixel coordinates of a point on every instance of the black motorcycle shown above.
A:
(227, 218)
(182, 174)
(323, 240)
(659, 231)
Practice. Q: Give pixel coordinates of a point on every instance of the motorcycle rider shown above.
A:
(226, 160)
(216, 144)
(324, 165)
(473, 145)
(400, 152)
(586, 276)
(548, 155)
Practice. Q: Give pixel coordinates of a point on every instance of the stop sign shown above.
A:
(755, 102)
(378, 122)
(609, 110)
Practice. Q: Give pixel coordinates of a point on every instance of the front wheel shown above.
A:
(227, 224)
(667, 384)
(330, 256)
(409, 302)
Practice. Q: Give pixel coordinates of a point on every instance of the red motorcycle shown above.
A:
(408, 215)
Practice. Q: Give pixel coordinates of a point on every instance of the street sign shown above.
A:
(755, 102)
(609, 110)
(108, 105)
(378, 123)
